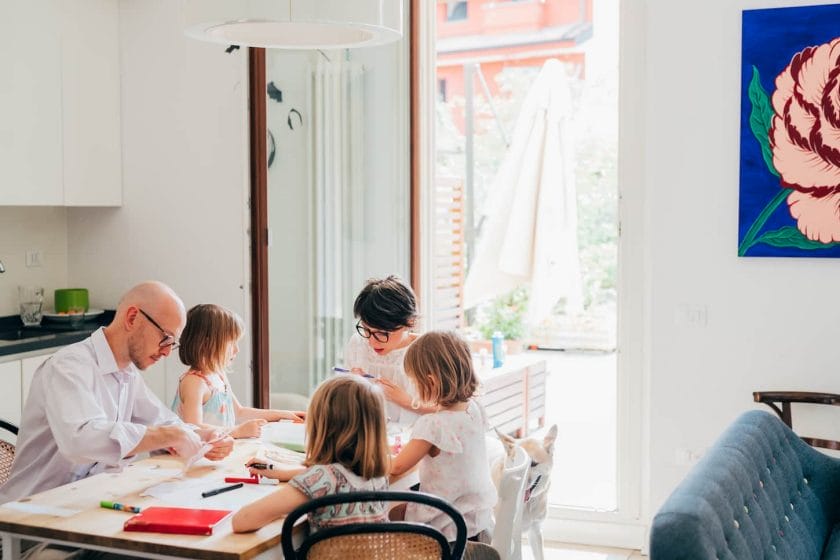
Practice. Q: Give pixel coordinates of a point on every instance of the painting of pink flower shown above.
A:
(789, 203)
(805, 139)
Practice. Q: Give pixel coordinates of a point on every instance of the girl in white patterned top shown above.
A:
(449, 444)
(346, 451)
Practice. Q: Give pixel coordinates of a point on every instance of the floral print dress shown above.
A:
(335, 478)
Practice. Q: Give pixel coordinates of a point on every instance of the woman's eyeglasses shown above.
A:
(379, 336)
(168, 340)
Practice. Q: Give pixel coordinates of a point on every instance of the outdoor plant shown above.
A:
(506, 315)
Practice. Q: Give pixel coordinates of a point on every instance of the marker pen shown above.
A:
(209, 493)
(119, 507)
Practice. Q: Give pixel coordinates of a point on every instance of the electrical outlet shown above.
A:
(684, 457)
(34, 259)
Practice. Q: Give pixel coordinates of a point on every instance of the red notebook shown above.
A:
(182, 521)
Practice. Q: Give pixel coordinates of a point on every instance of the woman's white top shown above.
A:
(358, 354)
(460, 473)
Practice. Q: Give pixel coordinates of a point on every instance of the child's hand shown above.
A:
(394, 393)
(297, 416)
(272, 470)
(249, 428)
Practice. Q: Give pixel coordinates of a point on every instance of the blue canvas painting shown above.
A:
(790, 133)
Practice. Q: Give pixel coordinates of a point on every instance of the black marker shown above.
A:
(220, 490)
(261, 466)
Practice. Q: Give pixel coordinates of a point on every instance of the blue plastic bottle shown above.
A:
(498, 349)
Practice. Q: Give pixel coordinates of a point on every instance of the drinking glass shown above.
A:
(31, 300)
(76, 315)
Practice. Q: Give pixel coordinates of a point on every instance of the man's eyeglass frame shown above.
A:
(168, 340)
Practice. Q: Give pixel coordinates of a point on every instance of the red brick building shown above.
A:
(504, 33)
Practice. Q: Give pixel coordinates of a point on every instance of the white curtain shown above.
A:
(337, 187)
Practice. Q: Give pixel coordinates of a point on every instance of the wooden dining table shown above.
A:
(71, 515)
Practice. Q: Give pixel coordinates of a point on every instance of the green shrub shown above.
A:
(506, 314)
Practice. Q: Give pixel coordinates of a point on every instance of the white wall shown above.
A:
(184, 216)
(772, 323)
(25, 229)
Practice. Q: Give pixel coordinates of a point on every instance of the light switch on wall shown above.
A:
(34, 259)
(691, 315)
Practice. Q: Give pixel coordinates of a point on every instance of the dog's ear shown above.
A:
(509, 443)
(548, 440)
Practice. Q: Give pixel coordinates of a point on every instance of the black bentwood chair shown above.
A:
(401, 540)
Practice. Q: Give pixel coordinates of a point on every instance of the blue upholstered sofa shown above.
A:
(760, 492)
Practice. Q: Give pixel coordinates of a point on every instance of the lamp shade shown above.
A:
(308, 24)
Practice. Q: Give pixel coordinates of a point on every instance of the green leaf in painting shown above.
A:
(761, 118)
(791, 237)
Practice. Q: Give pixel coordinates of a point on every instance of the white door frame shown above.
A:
(627, 527)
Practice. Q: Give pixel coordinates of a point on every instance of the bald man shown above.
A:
(89, 410)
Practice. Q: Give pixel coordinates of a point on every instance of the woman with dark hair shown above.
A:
(386, 313)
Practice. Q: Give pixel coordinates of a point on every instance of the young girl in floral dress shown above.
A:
(346, 451)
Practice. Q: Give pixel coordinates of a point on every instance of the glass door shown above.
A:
(337, 201)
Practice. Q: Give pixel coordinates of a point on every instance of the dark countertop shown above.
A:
(17, 339)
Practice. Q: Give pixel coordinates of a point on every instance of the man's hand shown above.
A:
(221, 442)
(184, 442)
(221, 449)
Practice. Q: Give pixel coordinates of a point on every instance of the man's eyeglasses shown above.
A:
(168, 340)
(379, 336)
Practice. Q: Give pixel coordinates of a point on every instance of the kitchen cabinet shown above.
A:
(60, 138)
(30, 103)
(27, 371)
(16, 377)
(10, 406)
(90, 103)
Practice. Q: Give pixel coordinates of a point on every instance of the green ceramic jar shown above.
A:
(71, 298)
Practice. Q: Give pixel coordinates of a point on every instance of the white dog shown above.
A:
(535, 508)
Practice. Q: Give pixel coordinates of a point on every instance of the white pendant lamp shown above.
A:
(308, 24)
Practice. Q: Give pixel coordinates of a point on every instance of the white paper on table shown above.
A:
(29, 507)
(188, 463)
(187, 493)
(162, 472)
(283, 455)
(280, 433)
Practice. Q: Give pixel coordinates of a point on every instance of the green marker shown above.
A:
(119, 507)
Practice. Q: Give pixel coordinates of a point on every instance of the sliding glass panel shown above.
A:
(337, 199)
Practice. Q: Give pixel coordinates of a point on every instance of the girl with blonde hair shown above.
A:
(208, 345)
(449, 443)
(346, 451)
